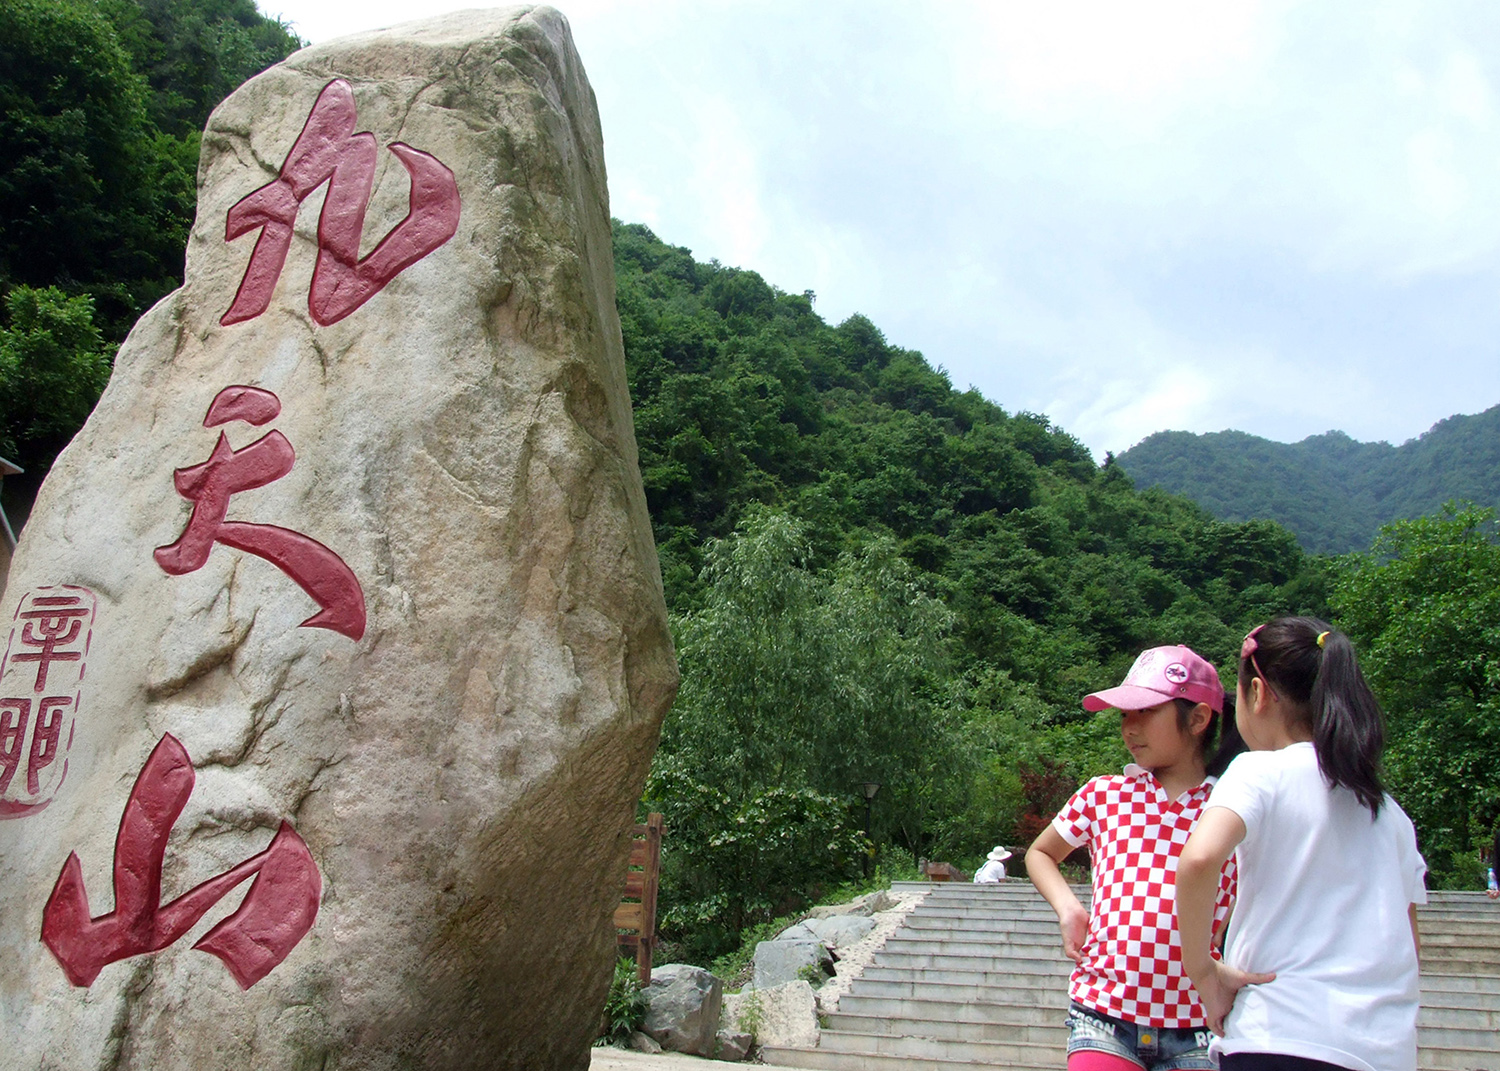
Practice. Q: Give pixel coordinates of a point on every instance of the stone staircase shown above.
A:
(975, 980)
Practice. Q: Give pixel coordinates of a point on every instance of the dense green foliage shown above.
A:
(875, 577)
(1424, 609)
(1331, 491)
(53, 366)
(101, 104)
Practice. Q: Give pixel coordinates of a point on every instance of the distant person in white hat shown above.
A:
(994, 868)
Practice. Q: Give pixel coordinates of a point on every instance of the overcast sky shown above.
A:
(1277, 217)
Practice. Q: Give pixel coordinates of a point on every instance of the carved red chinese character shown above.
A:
(40, 681)
(328, 150)
(275, 915)
(316, 569)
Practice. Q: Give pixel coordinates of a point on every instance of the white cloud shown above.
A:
(1103, 210)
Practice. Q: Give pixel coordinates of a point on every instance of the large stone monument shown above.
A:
(336, 644)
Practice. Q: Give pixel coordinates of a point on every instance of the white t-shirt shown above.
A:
(991, 873)
(1323, 900)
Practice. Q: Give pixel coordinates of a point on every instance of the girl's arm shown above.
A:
(1416, 938)
(1048, 850)
(1218, 832)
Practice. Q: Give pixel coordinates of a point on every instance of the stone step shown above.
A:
(1478, 960)
(993, 1053)
(1462, 1017)
(1029, 969)
(1485, 1059)
(995, 946)
(1450, 982)
(1039, 991)
(922, 923)
(1455, 1038)
(820, 1060)
(1021, 1013)
(1052, 1032)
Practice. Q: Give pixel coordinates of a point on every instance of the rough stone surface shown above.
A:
(682, 1008)
(800, 932)
(853, 959)
(732, 1045)
(840, 931)
(463, 770)
(783, 1015)
(641, 1042)
(778, 962)
(869, 904)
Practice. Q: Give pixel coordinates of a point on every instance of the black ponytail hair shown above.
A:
(1327, 692)
(1230, 746)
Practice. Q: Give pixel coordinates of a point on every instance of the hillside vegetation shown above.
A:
(1332, 492)
(875, 577)
(101, 108)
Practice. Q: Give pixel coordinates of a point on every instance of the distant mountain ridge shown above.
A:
(1332, 492)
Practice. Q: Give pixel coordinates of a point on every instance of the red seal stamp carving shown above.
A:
(40, 688)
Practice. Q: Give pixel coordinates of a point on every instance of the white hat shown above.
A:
(998, 855)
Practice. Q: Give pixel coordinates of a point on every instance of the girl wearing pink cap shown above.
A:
(1132, 1005)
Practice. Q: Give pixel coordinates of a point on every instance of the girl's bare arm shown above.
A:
(1218, 832)
(1042, 859)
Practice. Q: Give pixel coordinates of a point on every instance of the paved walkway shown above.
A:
(612, 1059)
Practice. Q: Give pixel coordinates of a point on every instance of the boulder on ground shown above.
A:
(778, 962)
(355, 553)
(682, 1008)
(783, 1015)
(841, 930)
(801, 931)
(879, 900)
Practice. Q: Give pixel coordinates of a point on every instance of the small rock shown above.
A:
(734, 1046)
(644, 1043)
(879, 900)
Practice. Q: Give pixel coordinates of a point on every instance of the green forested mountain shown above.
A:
(1333, 492)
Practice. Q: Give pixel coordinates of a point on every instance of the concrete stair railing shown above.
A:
(976, 979)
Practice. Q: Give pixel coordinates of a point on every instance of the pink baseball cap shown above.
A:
(1159, 675)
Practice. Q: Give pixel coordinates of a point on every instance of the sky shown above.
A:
(1278, 217)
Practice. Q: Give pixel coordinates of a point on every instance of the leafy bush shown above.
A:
(625, 1008)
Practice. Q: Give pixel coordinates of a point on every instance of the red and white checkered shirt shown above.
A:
(1132, 960)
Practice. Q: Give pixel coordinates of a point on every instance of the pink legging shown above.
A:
(1094, 1060)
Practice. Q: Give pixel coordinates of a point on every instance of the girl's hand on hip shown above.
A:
(1075, 930)
(1221, 987)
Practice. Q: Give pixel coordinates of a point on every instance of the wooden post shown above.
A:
(638, 910)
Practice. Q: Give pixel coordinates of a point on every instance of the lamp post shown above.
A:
(871, 787)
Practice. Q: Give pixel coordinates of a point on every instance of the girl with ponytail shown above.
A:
(1320, 966)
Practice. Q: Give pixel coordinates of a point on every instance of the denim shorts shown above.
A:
(1153, 1049)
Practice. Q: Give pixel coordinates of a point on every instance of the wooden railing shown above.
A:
(635, 918)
